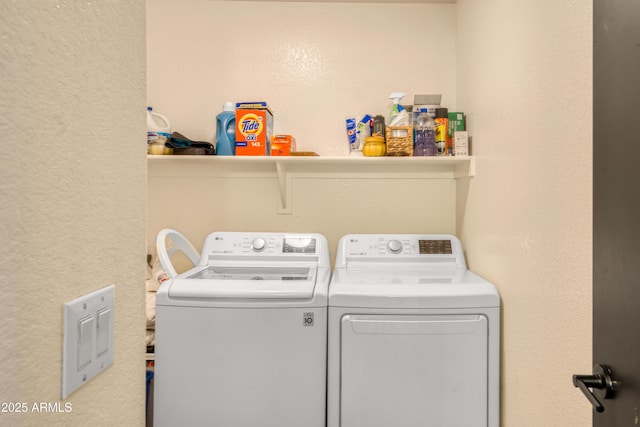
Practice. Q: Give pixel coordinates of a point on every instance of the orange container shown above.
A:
(282, 145)
(254, 127)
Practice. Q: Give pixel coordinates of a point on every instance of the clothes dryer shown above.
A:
(414, 336)
(241, 337)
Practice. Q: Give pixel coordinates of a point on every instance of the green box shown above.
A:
(456, 123)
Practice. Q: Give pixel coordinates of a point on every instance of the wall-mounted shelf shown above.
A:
(363, 1)
(287, 168)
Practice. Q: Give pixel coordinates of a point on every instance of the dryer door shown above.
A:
(414, 370)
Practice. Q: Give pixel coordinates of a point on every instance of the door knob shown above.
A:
(601, 382)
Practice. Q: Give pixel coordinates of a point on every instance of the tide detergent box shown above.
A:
(254, 127)
(282, 145)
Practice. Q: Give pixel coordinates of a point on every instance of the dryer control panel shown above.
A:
(428, 248)
(435, 247)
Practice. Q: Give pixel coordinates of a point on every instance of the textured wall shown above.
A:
(523, 75)
(315, 63)
(72, 199)
(525, 81)
(338, 203)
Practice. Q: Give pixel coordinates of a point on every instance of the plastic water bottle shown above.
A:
(158, 126)
(425, 135)
(226, 131)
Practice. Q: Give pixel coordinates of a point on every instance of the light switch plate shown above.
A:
(88, 338)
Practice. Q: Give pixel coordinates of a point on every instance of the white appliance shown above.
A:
(241, 337)
(414, 336)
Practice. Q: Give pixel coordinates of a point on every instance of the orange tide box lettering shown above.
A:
(282, 145)
(254, 127)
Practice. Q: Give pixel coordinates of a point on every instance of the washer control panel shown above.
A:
(263, 244)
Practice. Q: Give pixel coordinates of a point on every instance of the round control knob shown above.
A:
(258, 244)
(394, 246)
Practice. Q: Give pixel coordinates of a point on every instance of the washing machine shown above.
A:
(414, 336)
(241, 339)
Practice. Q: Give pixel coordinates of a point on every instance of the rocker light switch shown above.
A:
(88, 338)
(104, 329)
(85, 341)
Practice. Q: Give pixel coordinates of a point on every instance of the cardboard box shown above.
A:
(461, 143)
(254, 127)
(456, 123)
(282, 145)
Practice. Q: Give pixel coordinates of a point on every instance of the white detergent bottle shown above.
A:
(158, 127)
(226, 131)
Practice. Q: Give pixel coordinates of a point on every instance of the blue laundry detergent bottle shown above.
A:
(226, 131)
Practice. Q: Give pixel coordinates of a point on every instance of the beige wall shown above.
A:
(525, 81)
(73, 214)
(315, 63)
(72, 199)
(522, 73)
(333, 199)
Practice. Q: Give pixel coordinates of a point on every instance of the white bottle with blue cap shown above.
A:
(158, 127)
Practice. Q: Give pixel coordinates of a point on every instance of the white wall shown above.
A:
(522, 72)
(525, 81)
(72, 200)
(315, 63)
(199, 197)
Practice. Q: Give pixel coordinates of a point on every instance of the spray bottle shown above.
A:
(396, 107)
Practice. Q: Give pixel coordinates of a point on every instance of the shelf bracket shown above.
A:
(465, 170)
(284, 185)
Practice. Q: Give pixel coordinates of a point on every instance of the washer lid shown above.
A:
(245, 282)
(418, 288)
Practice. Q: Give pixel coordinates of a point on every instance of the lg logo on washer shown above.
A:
(307, 319)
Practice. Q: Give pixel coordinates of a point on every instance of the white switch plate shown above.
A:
(88, 338)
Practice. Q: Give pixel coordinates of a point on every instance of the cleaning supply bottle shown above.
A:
(442, 132)
(226, 131)
(396, 107)
(158, 128)
(379, 126)
(425, 135)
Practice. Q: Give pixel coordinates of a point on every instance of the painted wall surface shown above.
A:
(314, 63)
(521, 71)
(525, 81)
(198, 201)
(72, 201)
